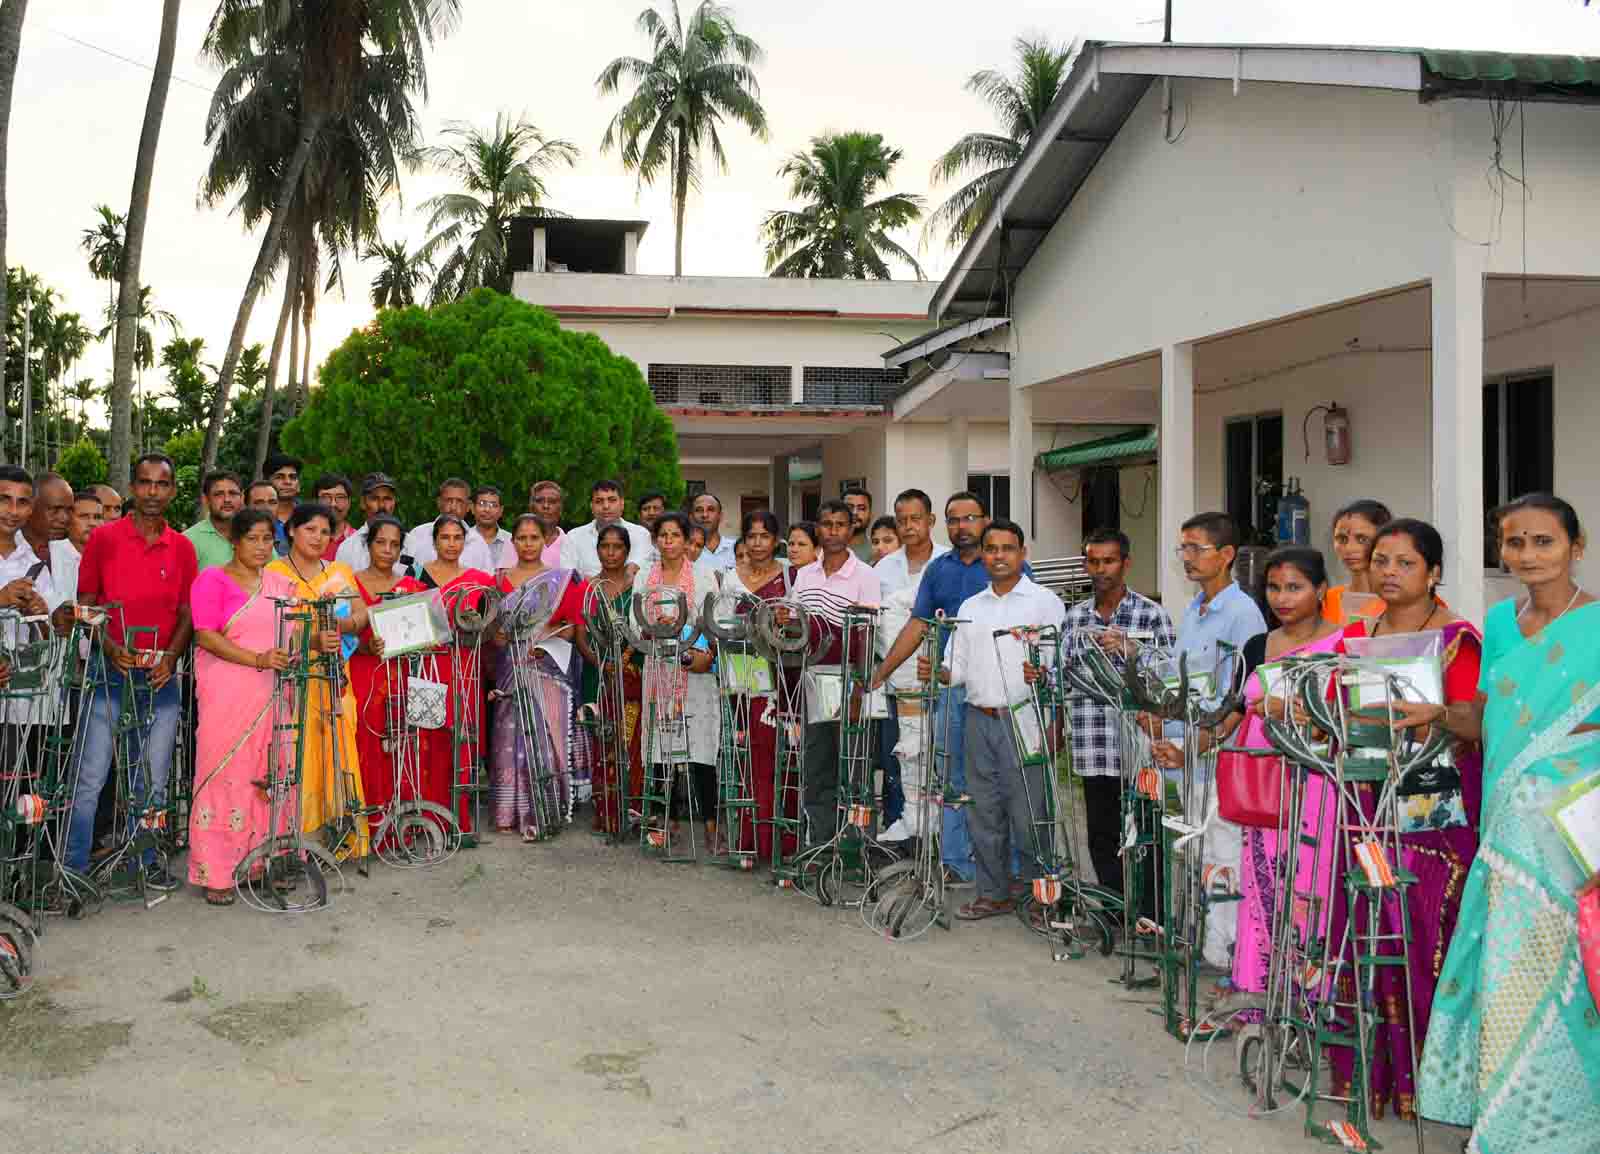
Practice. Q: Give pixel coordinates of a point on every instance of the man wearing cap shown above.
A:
(377, 496)
(284, 473)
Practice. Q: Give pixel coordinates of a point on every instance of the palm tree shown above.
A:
(697, 76)
(83, 391)
(501, 176)
(104, 244)
(842, 231)
(11, 14)
(403, 272)
(1020, 100)
(349, 71)
(142, 338)
(129, 295)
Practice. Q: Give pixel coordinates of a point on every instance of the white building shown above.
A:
(776, 387)
(1215, 241)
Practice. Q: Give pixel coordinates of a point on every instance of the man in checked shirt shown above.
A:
(1096, 744)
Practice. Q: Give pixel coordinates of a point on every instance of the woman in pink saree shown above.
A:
(1296, 585)
(235, 660)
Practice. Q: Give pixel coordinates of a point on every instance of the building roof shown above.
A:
(1117, 447)
(1105, 82)
(942, 337)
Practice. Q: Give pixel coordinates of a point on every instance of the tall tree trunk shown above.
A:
(11, 14)
(308, 307)
(133, 247)
(680, 196)
(291, 387)
(264, 433)
(258, 278)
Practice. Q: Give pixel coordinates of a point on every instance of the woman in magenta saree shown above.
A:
(1407, 558)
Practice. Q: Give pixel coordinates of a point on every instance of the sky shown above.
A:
(888, 66)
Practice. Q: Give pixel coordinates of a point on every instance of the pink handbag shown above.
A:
(1589, 934)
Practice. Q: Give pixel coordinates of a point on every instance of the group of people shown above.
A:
(1496, 992)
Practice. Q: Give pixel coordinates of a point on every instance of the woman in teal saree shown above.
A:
(1513, 1049)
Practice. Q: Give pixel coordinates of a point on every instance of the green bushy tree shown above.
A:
(488, 388)
(82, 464)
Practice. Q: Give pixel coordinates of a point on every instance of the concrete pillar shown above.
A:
(1177, 477)
(630, 252)
(797, 384)
(1457, 424)
(1021, 443)
(957, 441)
(778, 488)
(538, 250)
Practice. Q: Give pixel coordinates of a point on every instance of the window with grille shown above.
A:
(1518, 444)
(843, 386)
(712, 386)
(1253, 475)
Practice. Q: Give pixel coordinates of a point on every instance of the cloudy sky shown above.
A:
(889, 66)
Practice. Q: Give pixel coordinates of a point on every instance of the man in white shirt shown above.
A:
(578, 545)
(706, 512)
(87, 513)
(899, 575)
(1007, 797)
(487, 509)
(46, 527)
(453, 498)
(377, 496)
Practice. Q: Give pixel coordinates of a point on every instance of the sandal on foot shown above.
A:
(220, 897)
(980, 908)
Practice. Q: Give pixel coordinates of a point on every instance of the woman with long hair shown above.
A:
(236, 662)
(1513, 1049)
(543, 670)
(331, 799)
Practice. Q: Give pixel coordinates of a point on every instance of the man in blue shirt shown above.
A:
(948, 580)
(1220, 614)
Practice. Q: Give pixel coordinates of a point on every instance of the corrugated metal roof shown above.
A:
(1527, 77)
(1136, 443)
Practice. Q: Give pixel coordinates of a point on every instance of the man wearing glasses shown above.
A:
(1222, 617)
(947, 581)
(487, 509)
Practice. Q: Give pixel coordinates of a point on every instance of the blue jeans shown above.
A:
(152, 751)
(957, 845)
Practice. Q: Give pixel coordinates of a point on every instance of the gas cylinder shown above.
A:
(1294, 515)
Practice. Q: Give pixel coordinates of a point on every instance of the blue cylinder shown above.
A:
(1294, 516)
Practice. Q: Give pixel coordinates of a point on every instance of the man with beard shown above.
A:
(377, 497)
(147, 567)
(1097, 728)
(210, 535)
(1007, 796)
(948, 581)
(578, 546)
(284, 473)
(859, 502)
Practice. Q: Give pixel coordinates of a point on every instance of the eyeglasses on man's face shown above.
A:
(964, 519)
(1190, 551)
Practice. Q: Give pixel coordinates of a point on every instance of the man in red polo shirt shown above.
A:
(146, 567)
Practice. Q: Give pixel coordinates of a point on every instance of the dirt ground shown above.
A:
(571, 996)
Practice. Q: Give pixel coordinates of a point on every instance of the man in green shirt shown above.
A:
(224, 497)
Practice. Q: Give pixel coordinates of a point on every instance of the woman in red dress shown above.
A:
(453, 755)
(370, 674)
